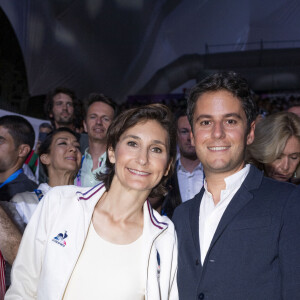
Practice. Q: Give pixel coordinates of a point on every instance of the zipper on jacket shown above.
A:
(146, 294)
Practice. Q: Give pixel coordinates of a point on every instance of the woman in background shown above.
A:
(276, 146)
(106, 242)
(60, 157)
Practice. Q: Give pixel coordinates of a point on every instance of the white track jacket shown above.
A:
(54, 238)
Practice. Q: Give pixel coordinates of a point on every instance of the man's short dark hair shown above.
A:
(96, 97)
(20, 129)
(227, 81)
(48, 106)
(181, 112)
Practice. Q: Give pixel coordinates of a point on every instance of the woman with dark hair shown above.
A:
(60, 157)
(106, 242)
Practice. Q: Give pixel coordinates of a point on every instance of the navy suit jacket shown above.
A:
(255, 252)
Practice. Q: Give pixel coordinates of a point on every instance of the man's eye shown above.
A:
(231, 122)
(106, 119)
(183, 132)
(205, 123)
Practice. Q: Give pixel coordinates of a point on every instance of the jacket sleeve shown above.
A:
(28, 263)
(289, 248)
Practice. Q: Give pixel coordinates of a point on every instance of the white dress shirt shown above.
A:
(86, 175)
(190, 184)
(211, 214)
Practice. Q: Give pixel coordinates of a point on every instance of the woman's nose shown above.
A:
(143, 157)
(284, 164)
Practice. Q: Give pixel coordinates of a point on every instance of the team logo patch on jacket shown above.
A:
(60, 239)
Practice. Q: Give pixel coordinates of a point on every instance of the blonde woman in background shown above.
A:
(276, 147)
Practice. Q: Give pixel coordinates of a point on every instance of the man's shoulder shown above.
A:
(268, 190)
(274, 186)
(20, 184)
(26, 182)
(184, 208)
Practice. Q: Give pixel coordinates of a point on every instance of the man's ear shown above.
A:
(24, 150)
(111, 155)
(192, 139)
(250, 136)
(44, 158)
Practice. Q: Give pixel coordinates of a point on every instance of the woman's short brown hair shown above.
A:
(130, 118)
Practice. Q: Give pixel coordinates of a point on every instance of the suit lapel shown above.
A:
(240, 199)
(194, 219)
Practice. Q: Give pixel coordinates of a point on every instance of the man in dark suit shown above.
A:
(239, 238)
(187, 179)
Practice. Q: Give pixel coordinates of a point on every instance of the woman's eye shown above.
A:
(62, 143)
(156, 150)
(131, 144)
(295, 157)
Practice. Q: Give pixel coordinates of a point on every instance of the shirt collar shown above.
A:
(180, 167)
(235, 180)
(87, 155)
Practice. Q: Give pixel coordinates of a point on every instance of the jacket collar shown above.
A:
(194, 218)
(93, 195)
(153, 222)
(240, 199)
(152, 219)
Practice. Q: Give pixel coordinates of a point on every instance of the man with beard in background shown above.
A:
(188, 177)
(100, 111)
(62, 108)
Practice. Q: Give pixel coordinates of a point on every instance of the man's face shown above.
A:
(8, 152)
(219, 136)
(63, 110)
(186, 149)
(99, 117)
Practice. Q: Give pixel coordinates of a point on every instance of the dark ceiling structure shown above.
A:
(129, 47)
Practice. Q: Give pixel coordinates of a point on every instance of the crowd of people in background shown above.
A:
(85, 147)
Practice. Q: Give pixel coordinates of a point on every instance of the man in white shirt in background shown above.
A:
(100, 111)
(188, 177)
